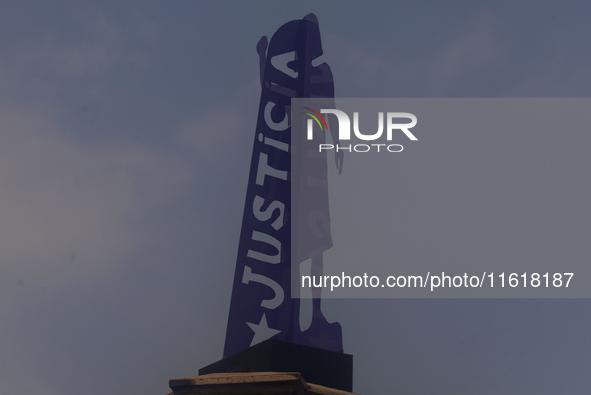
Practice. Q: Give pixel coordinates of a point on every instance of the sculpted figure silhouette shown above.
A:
(287, 185)
(310, 214)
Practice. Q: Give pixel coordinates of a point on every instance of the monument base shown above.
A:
(254, 383)
(326, 368)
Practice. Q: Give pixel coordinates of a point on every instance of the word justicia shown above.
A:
(392, 121)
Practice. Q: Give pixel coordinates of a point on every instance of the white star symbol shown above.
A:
(261, 331)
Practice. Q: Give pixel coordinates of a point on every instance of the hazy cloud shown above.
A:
(67, 212)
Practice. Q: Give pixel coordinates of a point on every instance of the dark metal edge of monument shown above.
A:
(263, 333)
(327, 368)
